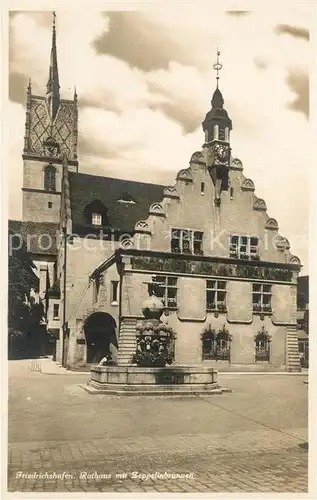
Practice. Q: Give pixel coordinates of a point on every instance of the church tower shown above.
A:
(217, 126)
(50, 134)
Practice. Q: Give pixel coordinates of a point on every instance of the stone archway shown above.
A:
(100, 334)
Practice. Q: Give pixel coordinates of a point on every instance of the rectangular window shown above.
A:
(261, 297)
(216, 295)
(244, 247)
(187, 241)
(166, 290)
(56, 311)
(96, 219)
(50, 204)
(114, 291)
(202, 188)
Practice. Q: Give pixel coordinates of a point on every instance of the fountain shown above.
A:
(153, 370)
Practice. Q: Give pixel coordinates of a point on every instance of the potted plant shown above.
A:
(221, 306)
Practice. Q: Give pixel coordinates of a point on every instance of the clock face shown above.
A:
(221, 152)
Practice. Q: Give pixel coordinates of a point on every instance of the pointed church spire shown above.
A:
(52, 86)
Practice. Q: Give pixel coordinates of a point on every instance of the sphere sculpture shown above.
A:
(155, 340)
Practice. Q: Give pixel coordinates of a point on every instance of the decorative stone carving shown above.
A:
(281, 243)
(259, 204)
(295, 260)
(247, 185)
(187, 266)
(127, 243)
(236, 164)
(171, 192)
(157, 209)
(142, 227)
(155, 340)
(185, 175)
(197, 157)
(271, 224)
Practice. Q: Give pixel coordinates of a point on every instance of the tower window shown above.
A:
(50, 178)
(202, 188)
(96, 219)
(227, 135)
(50, 204)
(216, 132)
(222, 136)
(231, 193)
(56, 311)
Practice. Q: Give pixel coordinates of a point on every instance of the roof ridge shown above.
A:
(74, 174)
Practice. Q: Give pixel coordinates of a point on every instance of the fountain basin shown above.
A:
(168, 380)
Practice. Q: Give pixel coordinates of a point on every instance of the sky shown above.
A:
(145, 79)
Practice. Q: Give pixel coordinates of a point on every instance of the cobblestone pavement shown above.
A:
(252, 440)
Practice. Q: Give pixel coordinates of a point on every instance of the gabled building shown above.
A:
(206, 244)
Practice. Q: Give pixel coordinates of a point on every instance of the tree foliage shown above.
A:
(22, 279)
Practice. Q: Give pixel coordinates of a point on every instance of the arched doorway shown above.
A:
(100, 333)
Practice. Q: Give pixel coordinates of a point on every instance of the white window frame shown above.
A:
(166, 283)
(262, 305)
(243, 241)
(96, 219)
(213, 286)
(187, 235)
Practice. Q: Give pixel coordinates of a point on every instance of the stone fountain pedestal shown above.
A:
(150, 381)
(152, 372)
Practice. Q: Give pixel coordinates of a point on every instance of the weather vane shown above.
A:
(217, 66)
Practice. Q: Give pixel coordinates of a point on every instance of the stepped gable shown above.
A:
(126, 202)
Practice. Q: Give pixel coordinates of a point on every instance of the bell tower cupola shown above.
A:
(217, 127)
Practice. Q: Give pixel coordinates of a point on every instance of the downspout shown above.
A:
(64, 292)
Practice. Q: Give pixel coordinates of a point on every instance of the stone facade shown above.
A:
(207, 243)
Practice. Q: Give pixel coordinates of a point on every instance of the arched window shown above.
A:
(227, 134)
(216, 345)
(209, 344)
(262, 345)
(50, 178)
(216, 132)
(223, 344)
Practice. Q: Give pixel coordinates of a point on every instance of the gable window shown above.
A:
(216, 345)
(187, 241)
(261, 297)
(96, 219)
(244, 247)
(262, 346)
(216, 295)
(56, 311)
(114, 291)
(50, 178)
(96, 213)
(166, 289)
